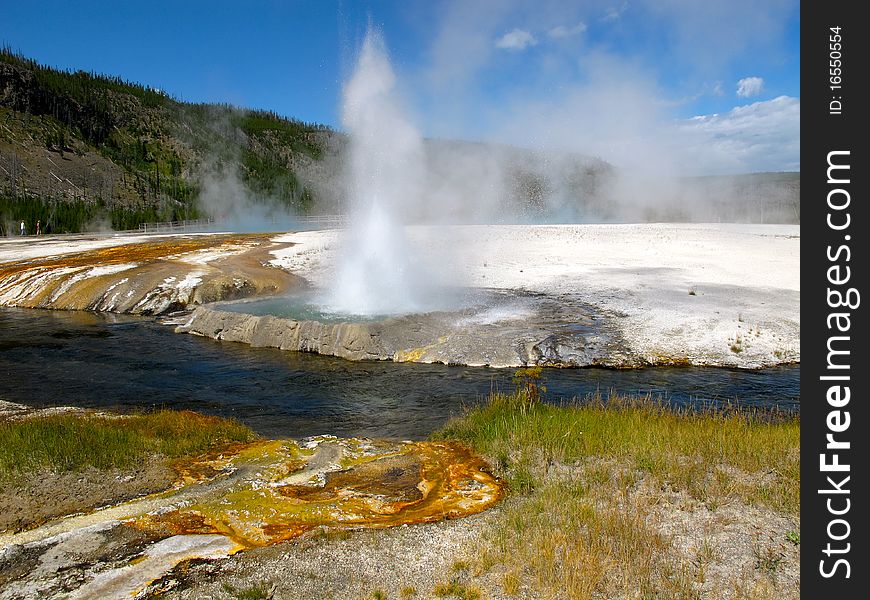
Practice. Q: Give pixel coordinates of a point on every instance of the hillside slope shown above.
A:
(77, 147)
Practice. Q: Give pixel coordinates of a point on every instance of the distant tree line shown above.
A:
(73, 216)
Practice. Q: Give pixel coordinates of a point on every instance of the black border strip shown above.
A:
(832, 249)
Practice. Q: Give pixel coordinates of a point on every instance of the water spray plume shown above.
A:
(379, 272)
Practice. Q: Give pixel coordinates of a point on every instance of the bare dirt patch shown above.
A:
(38, 497)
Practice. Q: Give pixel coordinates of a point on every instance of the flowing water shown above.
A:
(50, 358)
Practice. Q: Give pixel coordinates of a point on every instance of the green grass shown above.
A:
(74, 442)
(697, 452)
(258, 591)
(565, 541)
(587, 478)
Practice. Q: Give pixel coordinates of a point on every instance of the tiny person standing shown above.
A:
(38, 226)
(22, 227)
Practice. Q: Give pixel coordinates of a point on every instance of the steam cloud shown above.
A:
(579, 99)
(223, 193)
(604, 147)
(225, 196)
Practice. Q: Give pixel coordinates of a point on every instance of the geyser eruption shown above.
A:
(379, 273)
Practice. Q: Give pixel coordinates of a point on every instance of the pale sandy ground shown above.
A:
(17, 248)
(707, 294)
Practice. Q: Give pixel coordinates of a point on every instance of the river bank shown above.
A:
(635, 498)
(292, 394)
(714, 294)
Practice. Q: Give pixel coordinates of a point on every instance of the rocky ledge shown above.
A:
(516, 330)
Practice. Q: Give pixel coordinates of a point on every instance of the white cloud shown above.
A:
(560, 31)
(615, 13)
(750, 86)
(518, 39)
(763, 136)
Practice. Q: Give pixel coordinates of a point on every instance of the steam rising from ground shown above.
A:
(225, 193)
(224, 196)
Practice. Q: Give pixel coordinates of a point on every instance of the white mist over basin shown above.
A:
(379, 272)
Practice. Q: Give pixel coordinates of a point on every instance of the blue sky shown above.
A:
(627, 80)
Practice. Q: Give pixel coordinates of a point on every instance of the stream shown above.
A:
(116, 362)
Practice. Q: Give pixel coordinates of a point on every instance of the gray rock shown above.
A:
(547, 331)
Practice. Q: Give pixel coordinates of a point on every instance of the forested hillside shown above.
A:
(79, 149)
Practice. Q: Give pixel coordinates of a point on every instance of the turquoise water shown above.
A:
(299, 308)
(307, 306)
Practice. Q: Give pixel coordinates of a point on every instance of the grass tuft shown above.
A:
(258, 591)
(455, 589)
(767, 559)
(511, 583)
